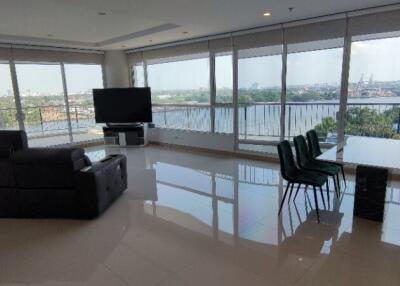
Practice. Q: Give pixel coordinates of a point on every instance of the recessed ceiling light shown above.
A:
(267, 14)
(101, 13)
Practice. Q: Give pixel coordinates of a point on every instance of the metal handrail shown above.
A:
(219, 104)
(255, 119)
(268, 103)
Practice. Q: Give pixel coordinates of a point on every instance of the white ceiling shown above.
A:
(138, 23)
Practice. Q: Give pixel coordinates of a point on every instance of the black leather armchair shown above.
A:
(55, 182)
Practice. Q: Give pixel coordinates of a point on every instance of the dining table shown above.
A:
(366, 151)
(374, 159)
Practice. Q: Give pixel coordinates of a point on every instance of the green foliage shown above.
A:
(364, 121)
(245, 95)
(310, 96)
(31, 104)
(258, 95)
(328, 125)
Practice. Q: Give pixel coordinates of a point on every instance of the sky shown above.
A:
(379, 58)
(47, 78)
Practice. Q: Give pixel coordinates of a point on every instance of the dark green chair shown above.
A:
(315, 151)
(293, 175)
(306, 162)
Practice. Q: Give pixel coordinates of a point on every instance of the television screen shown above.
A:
(122, 105)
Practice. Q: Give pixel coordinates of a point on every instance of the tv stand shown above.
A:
(125, 135)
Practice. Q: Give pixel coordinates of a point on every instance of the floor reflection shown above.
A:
(191, 218)
(232, 199)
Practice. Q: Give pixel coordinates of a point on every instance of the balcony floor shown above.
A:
(54, 140)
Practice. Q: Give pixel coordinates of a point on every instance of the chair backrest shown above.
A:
(288, 167)
(302, 155)
(313, 143)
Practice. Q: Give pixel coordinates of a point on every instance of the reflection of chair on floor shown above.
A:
(361, 234)
(294, 175)
(305, 240)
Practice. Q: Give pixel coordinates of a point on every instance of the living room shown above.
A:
(199, 142)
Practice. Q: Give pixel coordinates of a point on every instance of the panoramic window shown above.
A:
(313, 91)
(259, 92)
(177, 83)
(223, 93)
(374, 89)
(7, 104)
(81, 80)
(43, 103)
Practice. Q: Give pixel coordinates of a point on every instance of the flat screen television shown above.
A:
(122, 105)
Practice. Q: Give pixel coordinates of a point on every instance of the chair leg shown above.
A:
(336, 188)
(316, 202)
(327, 190)
(344, 177)
(290, 194)
(284, 197)
(322, 195)
(305, 189)
(338, 182)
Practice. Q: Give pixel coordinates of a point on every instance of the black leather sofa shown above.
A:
(55, 182)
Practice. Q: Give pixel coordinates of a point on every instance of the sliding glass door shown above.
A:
(223, 107)
(43, 103)
(259, 97)
(313, 89)
(373, 105)
(81, 79)
(180, 90)
(8, 112)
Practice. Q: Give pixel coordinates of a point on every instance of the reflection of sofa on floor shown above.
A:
(55, 182)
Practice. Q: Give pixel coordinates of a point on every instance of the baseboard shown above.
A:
(349, 169)
(244, 155)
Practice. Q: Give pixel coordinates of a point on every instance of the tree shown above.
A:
(328, 125)
(364, 121)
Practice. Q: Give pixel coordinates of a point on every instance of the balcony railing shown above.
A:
(259, 121)
(46, 121)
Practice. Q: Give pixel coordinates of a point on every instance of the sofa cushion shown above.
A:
(6, 173)
(48, 155)
(47, 167)
(15, 139)
(5, 152)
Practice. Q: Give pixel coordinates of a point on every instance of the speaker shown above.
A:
(370, 193)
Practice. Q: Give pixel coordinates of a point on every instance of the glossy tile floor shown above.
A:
(203, 219)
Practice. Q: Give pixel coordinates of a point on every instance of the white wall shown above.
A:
(116, 69)
(193, 139)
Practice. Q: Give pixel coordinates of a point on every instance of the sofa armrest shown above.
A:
(100, 184)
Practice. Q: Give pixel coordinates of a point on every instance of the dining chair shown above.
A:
(306, 162)
(315, 151)
(293, 175)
